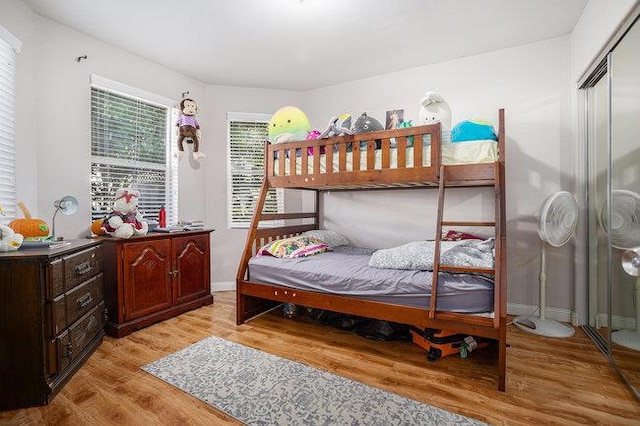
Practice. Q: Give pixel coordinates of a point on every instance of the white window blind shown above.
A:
(247, 135)
(7, 127)
(132, 145)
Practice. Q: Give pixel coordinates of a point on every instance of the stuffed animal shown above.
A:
(433, 108)
(189, 128)
(288, 124)
(338, 126)
(311, 136)
(473, 130)
(404, 125)
(125, 220)
(366, 124)
(9, 239)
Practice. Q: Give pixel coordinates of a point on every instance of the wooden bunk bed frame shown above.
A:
(256, 298)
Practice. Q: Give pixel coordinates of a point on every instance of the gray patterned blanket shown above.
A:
(419, 255)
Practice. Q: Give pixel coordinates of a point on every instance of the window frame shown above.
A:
(234, 117)
(171, 161)
(11, 47)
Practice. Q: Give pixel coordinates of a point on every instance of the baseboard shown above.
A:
(223, 286)
(617, 322)
(558, 314)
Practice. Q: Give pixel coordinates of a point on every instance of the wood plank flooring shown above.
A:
(549, 381)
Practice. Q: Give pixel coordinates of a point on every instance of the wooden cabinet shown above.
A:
(154, 277)
(51, 319)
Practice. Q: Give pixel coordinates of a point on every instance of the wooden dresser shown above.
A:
(51, 319)
(154, 277)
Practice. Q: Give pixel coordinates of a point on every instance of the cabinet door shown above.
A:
(191, 255)
(147, 277)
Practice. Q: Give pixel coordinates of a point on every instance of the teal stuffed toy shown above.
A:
(405, 125)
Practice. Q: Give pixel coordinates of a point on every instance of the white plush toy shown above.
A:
(9, 240)
(433, 108)
(125, 220)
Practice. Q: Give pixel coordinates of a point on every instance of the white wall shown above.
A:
(531, 83)
(598, 22)
(228, 243)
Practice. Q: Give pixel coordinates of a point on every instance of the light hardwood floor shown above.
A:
(549, 381)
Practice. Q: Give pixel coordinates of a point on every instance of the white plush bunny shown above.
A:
(434, 108)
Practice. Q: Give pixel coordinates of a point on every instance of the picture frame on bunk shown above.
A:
(369, 165)
(394, 118)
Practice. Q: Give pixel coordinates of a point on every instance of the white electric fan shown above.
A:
(625, 235)
(557, 223)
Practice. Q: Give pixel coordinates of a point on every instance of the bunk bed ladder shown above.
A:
(440, 224)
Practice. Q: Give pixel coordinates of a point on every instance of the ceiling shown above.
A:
(302, 45)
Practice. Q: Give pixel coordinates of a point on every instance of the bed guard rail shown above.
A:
(407, 156)
(267, 227)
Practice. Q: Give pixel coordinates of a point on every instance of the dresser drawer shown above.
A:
(81, 266)
(85, 329)
(67, 308)
(68, 345)
(81, 299)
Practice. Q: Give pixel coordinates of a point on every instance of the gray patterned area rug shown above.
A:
(258, 388)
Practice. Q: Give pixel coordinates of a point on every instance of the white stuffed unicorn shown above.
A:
(434, 108)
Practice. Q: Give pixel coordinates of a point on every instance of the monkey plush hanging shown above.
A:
(189, 127)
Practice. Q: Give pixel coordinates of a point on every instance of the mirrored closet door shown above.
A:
(613, 194)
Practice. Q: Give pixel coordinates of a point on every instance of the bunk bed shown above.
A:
(400, 158)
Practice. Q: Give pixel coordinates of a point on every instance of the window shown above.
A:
(9, 48)
(132, 145)
(247, 135)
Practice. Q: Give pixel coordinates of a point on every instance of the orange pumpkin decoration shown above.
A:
(96, 227)
(29, 226)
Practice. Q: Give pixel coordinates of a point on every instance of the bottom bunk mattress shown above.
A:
(346, 271)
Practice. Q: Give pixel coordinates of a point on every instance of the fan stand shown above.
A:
(630, 338)
(541, 325)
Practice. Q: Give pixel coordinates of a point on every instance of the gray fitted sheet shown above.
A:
(346, 271)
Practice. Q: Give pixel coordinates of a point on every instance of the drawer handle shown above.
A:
(85, 300)
(83, 268)
(69, 352)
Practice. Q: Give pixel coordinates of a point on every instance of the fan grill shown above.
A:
(558, 218)
(625, 219)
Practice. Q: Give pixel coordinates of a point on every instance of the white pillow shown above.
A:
(333, 238)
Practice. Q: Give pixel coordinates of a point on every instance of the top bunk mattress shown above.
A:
(470, 152)
(346, 271)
